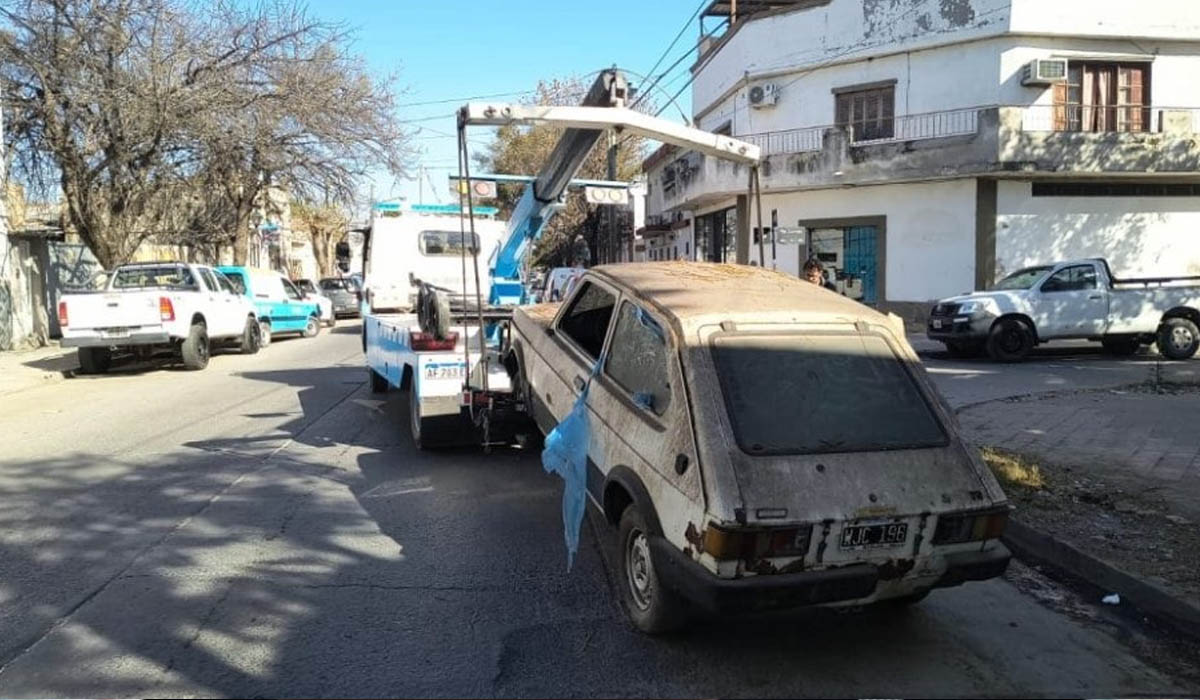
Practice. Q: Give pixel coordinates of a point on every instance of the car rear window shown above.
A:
(814, 393)
(334, 285)
(166, 276)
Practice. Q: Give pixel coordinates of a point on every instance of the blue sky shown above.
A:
(448, 49)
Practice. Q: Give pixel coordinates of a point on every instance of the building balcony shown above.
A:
(1019, 141)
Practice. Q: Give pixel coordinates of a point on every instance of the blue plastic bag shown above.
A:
(565, 453)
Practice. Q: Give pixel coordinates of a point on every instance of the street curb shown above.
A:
(1031, 545)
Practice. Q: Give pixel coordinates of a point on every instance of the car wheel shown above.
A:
(1011, 340)
(332, 321)
(251, 337)
(264, 333)
(379, 383)
(312, 328)
(964, 349)
(1121, 347)
(651, 607)
(1178, 338)
(95, 360)
(195, 348)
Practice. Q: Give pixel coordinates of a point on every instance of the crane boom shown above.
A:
(603, 108)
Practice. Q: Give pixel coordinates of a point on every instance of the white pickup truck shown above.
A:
(1076, 299)
(148, 307)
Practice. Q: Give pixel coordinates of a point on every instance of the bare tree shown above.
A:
(157, 118)
(325, 225)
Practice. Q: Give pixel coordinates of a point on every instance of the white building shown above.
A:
(921, 148)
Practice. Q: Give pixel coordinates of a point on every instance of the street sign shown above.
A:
(480, 189)
(790, 236)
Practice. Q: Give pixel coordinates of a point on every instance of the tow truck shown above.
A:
(449, 356)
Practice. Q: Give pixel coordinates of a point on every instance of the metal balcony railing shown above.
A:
(911, 127)
(1109, 119)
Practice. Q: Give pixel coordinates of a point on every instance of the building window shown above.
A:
(1102, 97)
(867, 114)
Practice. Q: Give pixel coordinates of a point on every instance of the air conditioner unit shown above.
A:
(764, 95)
(1045, 71)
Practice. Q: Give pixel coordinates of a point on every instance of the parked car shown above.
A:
(345, 295)
(758, 442)
(311, 292)
(145, 308)
(557, 283)
(1078, 299)
(280, 306)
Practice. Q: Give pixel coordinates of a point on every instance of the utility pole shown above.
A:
(610, 210)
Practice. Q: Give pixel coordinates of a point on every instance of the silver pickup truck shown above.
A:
(1077, 299)
(758, 442)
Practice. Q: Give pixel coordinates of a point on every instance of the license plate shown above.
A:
(444, 371)
(114, 333)
(881, 535)
(936, 323)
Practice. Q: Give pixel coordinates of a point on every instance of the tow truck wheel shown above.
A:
(379, 383)
(1011, 340)
(194, 348)
(651, 607)
(1178, 338)
(428, 433)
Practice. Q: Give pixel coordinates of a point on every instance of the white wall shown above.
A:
(1168, 19)
(1140, 236)
(842, 30)
(930, 232)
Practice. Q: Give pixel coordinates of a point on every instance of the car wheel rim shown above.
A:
(1181, 338)
(638, 569)
(202, 351)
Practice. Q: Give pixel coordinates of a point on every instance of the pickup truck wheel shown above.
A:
(251, 337)
(651, 607)
(1178, 338)
(95, 360)
(379, 383)
(1121, 347)
(965, 349)
(312, 328)
(264, 333)
(194, 348)
(1011, 340)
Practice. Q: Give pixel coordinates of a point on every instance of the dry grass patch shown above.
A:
(1013, 470)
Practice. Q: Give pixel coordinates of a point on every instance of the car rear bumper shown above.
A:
(96, 341)
(781, 591)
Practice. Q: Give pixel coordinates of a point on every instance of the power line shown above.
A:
(670, 46)
(464, 99)
(426, 119)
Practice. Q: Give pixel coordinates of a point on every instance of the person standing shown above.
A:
(814, 272)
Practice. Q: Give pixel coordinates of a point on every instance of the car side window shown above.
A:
(637, 361)
(222, 282)
(236, 281)
(209, 281)
(586, 320)
(290, 290)
(1071, 279)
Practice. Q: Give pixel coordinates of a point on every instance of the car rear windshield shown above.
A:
(813, 393)
(336, 284)
(1022, 279)
(166, 276)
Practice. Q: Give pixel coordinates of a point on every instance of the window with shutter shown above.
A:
(867, 114)
(1101, 97)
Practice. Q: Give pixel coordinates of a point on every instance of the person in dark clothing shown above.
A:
(581, 254)
(815, 273)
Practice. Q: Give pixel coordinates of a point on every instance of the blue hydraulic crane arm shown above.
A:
(543, 198)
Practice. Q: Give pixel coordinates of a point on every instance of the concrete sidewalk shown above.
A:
(22, 370)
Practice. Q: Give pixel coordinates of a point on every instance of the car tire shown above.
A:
(651, 607)
(1011, 340)
(532, 437)
(195, 348)
(312, 328)
(1178, 338)
(95, 360)
(1121, 347)
(264, 333)
(965, 349)
(332, 321)
(251, 337)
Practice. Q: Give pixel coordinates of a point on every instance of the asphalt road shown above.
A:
(265, 527)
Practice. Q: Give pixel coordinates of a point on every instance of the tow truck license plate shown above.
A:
(882, 535)
(445, 371)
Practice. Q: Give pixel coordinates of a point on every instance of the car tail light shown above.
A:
(166, 310)
(62, 314)
(970, 527)
(730, 544)
(426, 342)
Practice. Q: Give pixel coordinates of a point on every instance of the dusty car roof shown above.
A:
(692, 291)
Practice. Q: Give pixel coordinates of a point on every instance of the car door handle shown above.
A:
(579, 383)
(1096, 296)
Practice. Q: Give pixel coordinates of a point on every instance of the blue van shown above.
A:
(280, 306)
